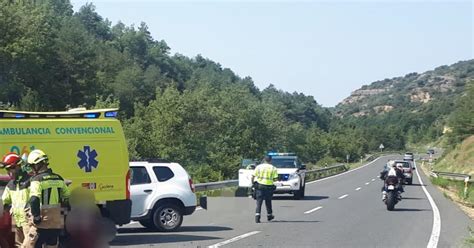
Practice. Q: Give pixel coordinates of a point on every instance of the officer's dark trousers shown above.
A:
(264, 193)
(47, 237)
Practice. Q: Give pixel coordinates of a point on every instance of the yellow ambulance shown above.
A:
(86, 147)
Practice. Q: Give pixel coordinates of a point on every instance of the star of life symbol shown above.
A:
(87, 159)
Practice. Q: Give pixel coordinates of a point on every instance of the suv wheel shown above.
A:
(167, 218)
(147, 223)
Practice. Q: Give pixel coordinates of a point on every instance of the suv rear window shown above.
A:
(404, 164)
(163, 173)
(139, 176)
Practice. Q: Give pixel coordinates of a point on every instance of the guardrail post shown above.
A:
(466, 184)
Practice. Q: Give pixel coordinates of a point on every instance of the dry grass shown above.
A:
(459, 160)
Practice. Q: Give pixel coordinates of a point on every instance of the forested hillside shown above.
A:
(189, 110)
(414, 108)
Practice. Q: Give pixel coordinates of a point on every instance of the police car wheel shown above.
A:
(167, 218)
(299, 194)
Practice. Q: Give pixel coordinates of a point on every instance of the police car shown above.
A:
(291, 174)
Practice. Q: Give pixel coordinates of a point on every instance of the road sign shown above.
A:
(381, 147)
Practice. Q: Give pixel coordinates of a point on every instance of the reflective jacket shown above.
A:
(16, 196)
(47, 190)
(265, 174)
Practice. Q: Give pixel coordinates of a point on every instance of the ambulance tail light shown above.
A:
(127, 185)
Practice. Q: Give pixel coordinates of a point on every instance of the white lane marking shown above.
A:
(358, 189)
(312, 210)
(435, 231)
(199, 208)
(342, 196)
(358, 168)
(373, 179)
(367, 183)
(233, 239)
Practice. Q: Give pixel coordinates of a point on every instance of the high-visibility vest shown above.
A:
(16, 195)
(265, 174)
(50, 188)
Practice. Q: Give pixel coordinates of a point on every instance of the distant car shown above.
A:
(162, 193)
(4, 179)
(408, 156)
(431, 151)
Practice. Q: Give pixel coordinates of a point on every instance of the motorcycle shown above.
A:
(391, 193)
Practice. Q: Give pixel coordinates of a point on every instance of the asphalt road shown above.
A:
(341, 211)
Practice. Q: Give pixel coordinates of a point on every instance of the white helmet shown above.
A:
(37, 156)
(391, 163)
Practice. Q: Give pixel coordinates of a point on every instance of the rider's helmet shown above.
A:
(11, 161)
(391, 164)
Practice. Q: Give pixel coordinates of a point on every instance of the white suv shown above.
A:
(162, 193)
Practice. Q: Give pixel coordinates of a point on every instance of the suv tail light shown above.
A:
(127, 185)
(191, 185)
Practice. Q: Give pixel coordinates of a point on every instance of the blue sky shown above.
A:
(321, 48)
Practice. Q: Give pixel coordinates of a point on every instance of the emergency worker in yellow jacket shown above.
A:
(48, 192)
(264, 176)
(16, 193)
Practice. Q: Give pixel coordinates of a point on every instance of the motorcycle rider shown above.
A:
(47, 192)
(392, 172)
(15, 196)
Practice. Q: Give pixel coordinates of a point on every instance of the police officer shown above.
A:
(15, 196)
(264, 176)
(48, 192)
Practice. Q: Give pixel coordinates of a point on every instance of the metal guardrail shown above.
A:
(338, 166)
(216, 185)
(459, 176)
(232, 183)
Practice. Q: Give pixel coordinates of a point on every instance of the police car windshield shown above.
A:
(246, 162)
(284, 162)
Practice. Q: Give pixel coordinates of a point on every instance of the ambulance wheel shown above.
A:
(167, 217)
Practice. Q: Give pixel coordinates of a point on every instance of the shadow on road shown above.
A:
(293, 221)
(412, 198)
(204, 228)
(306, 198)
(157, 238)
(410, 210)
(415, 184)
(181, 229)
